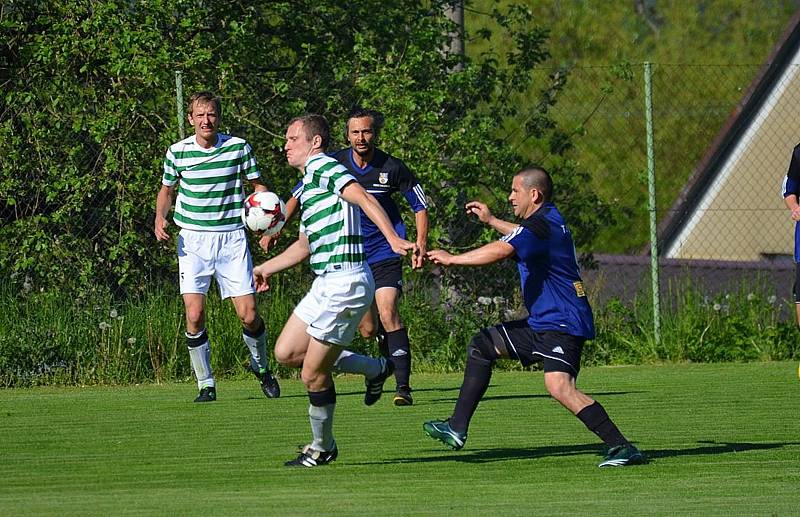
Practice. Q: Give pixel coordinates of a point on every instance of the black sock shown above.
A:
(383, 346)
(595, 418)
(400, 352)
(477, 374)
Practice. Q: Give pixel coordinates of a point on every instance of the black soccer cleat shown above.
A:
(269, 384)
(623, 455)
(402, 397)
(207, 394)
(310, 457)
(375, 385)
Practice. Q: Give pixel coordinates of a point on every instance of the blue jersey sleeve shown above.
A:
(297, 190)
(791, 183)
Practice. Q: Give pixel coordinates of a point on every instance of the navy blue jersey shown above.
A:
(549, 274)
(383, 176)
(791, 186)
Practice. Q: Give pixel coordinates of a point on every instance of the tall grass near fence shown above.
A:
(49, 337)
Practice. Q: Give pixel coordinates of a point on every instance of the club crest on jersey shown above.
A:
(383, 178)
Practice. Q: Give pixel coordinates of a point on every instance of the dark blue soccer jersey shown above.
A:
(791, 185)
(549, 274)
(383, 176)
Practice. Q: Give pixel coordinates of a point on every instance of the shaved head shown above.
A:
(538, 178)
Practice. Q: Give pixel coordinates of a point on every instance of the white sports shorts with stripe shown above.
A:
(334, 306)
(558, 351)
(221, 255)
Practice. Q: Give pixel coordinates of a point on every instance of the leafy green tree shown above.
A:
(88, 108)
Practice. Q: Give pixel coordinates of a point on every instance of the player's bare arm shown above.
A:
(485, 216)
(354, 193)
(163, 204)
(421, 220)
(487, 254)
(793, 206)
(296, 253)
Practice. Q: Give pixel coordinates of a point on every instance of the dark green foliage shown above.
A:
(88, 109)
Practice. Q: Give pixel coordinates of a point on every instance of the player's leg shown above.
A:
(370, 326)
(561, 367)
(195, 268)
(796, 290)
(316, 376)
(486, 347)
(234, 274)
(388, 287)
(254, 335)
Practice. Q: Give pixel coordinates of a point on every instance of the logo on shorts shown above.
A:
(579, 289)
(383, 178)
(558, 350)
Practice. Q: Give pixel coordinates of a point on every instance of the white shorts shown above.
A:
(337, 301)
(222, 255)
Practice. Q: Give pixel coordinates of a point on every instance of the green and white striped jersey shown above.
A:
(210, 182)
(332, 225)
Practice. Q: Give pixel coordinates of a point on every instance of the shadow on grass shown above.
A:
(505, 454)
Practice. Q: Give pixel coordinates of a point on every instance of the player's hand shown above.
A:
(796, 214)
(402, 247)
(161, 229)
(479, 209)
(440, 257)
(268, 241)
(419, 258)
(261, 279)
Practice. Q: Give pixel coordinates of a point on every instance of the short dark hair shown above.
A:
(537, 177)
(313, 125)
(205, 97)
(361, 112)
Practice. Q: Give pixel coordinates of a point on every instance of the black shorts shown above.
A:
(796, 287)
(556, 350)
(388, 273)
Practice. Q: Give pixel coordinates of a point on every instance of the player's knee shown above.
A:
(313, 380)
(285, 355)
(367, 330)
(559, 388)
(195, 317)
(481, 349)
(249, 318)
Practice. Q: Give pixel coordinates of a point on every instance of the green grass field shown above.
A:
(723, 439)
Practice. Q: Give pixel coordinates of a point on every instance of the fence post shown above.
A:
(179, 101)
(651, 201)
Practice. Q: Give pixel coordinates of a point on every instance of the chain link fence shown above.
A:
(722, 142)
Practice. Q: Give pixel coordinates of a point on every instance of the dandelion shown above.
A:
(499, 300)
(751, 297)
(131, 340)
(104, 326)
(113, 314)
(717, 307)
(484, 300)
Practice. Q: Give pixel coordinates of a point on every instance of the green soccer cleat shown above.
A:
(441, 430)
(623, 455)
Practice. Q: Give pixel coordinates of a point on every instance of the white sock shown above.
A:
(351, 362)
(200, 357)
(258, 350)
(321, 418)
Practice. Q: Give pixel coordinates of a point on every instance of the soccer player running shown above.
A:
(383, 175)
(791, 197)
(208, 168)
(560, 318)
(326, 319)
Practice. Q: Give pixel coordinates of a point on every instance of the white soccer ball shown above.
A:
(264, 212)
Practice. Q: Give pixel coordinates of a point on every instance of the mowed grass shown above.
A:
(723, 439)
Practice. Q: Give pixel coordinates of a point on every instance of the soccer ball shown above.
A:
(264, 212)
